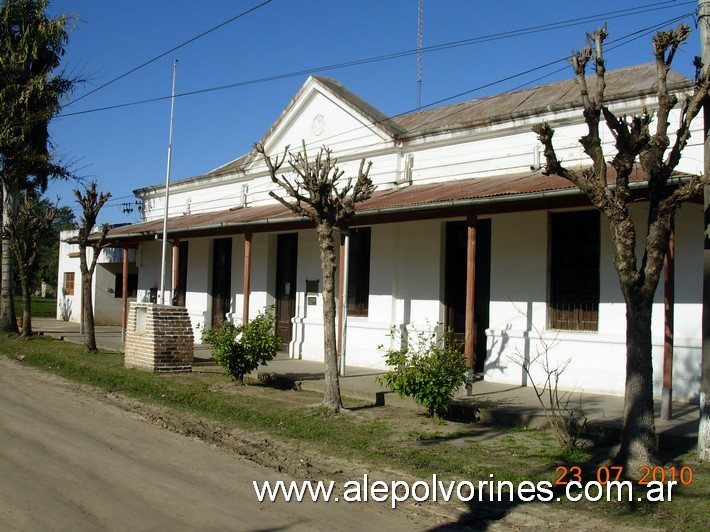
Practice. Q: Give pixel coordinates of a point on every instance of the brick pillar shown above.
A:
(159, 338)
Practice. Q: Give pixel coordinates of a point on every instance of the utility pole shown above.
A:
(420, 24)
(704, 425)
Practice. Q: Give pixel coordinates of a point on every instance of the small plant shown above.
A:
(240, 349)
(567, 424)
(65, 306)
(430, 370)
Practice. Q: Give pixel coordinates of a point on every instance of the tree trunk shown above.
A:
(704, 428)
(327, 256)
(639, 445)
(2, 220)
(87, 304)
(8, 319)
(26, 307)
(88, 310)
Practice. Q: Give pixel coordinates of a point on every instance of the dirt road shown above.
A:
(69, 461)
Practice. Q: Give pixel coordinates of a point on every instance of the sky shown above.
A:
(247, 70)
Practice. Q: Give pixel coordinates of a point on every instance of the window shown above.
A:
(574, 271)
(132, 285)
(359, 271)
(69, 283)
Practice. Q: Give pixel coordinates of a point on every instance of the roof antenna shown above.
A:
(420, 18)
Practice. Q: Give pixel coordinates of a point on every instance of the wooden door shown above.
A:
(221, 279)
(286, 260)
(181, 292)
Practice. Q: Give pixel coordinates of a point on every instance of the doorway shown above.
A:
(455, 284)
(221, 279)
(181, 291)
(286, 261)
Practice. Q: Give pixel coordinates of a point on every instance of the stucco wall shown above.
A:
(107, 309)
(407, 264)
(407, 291)
(518, 325)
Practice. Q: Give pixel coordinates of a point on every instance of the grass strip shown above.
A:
(465, 451)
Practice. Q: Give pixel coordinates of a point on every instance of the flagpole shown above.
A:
(167, 191)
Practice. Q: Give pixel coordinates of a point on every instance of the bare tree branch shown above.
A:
(91, 202)
(634, 142)
(327, 202)
(320, 179)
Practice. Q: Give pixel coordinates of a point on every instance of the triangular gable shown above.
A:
(325, 113)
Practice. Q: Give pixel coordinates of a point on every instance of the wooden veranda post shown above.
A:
(341, 293)
(176, 270)
(247, 276)
(704, 424)
(124, 295)
(669, 304)
(470, 332)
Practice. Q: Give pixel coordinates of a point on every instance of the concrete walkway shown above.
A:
(500, 403)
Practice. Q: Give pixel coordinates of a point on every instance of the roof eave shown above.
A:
(437, 208)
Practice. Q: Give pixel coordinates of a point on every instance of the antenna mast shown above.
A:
(420, 18)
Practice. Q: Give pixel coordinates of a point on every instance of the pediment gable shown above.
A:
(325, 113)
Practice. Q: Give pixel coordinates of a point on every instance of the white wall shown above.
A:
(107, 309)
(406, 286)
(597, 359)
(68, 306)
(406, 291)
(106, 306)
(504, 147)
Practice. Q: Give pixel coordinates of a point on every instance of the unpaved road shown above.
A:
(69, 461)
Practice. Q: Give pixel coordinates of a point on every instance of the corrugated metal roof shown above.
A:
(204, 221)
(626, 82)
(620, 83)
(451, 194)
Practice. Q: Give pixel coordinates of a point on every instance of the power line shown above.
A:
(420, 25)
(181, 45)
(613, 44)
(396, 55)
(329, 140)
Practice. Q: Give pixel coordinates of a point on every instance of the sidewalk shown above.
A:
(499, 403)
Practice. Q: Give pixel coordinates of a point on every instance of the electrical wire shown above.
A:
(196, 206)
(391, 56)
(615, 43)
(174, 48)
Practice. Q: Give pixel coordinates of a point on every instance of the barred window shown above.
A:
(574, 271)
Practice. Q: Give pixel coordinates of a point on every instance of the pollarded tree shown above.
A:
(317, 194)
(658, 157)
(91, 202)
(25, 228)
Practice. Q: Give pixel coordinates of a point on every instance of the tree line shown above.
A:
(32, 90)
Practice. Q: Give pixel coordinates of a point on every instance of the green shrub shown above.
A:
(430, 370)
(240, 349)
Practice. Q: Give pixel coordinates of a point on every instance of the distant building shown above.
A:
(107, 287)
